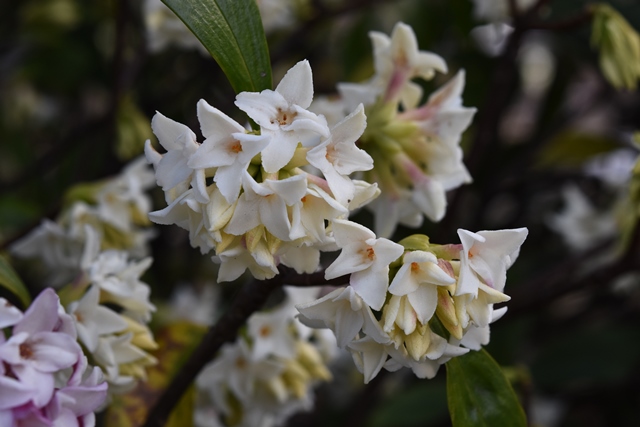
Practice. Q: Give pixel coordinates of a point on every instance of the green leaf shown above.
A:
(572, 148)
(10, 281)
(407, 408)
(232, 32)
(479, 394)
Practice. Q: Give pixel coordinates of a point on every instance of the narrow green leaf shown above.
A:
(232, 32)
(10, 281)
(572, 148)
(479, 394)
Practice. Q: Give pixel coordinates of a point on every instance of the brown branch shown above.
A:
(249, 299)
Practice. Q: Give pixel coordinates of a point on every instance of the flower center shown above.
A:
(369, 253)
(236, 147)
(331, 154)
(241, 363)
(265, 331)
(26, 352)
(415, 267)
(284, 117)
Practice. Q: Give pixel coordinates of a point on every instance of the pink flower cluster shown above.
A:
(45, 379)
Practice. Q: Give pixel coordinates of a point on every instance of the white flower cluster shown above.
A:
(267, 374)
(438, 304)
(45, 379)
(111, 314)
(116, 209)
(90, 247)
(415, 148)
(245, 193)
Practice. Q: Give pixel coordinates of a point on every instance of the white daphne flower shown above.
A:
(477, 336)
(479, 308)
(579, 223)
(345, 313)
(93, 319)
(440, 352)
(197, 305)
(119, 279)
(304, 259)
(391, 209)
(492, 38)
(418, 279)
(172, 171)
(331, 107)
(60, 251)
(364, 193)
(310, 213)
(369, 356)
(116, 350)
(271, 335)
(187, 213)
(397, 60)
(442, 121)
(236, 370)
(428, 194)
(283, 116)
(266, 204)
(338, 156)
(366, 258)
(485, 258)
(226, 147)
(124, 196)
(236, 259)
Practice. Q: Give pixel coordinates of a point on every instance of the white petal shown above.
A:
(214, 123)
(424, 301)
(371, 286)
(297, 85)
(170, 132)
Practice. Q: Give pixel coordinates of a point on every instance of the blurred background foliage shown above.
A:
(79, 85)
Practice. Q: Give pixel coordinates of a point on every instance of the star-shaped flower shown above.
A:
(172, 172)
(345, 313)
(266, 204)
(227, 147)
(486, 256)
(283, 116)
(366, 258)
(418, 278)
(338, 156)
